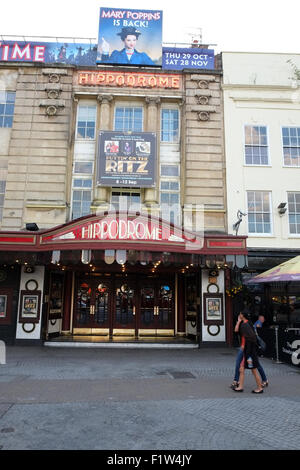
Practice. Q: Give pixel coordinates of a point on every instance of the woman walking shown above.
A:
(250, 358)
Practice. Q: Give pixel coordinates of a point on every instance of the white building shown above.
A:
(262, 148)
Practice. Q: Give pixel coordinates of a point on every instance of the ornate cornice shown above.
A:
(105, 99)
(152, 100)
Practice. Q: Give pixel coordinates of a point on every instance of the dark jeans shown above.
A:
(239, 359)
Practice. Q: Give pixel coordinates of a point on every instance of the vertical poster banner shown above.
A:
(130, 37)
(126, 159)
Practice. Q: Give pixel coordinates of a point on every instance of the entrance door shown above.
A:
(157, 312)
(124, 315)
(133, 305)
(92, 305)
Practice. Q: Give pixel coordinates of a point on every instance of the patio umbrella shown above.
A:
(286, 272)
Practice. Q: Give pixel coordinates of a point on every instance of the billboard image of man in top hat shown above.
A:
(142, 27)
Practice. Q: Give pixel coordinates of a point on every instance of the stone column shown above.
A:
(101, 201)
(151, 195)
(105, 102)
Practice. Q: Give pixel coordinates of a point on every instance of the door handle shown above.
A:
(133, 310)
(92, 310)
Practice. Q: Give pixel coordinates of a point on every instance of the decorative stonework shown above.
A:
(54, 78)
(53, 94)
(202, 99)
(51, 110)
(105, 99)
(53, 90)
(52, 106)
(203, 84)
(152, 100)
(203, 116)
(203, 108)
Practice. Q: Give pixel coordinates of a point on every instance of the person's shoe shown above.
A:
(238, 389)
(234, 384)
(258, 391)
(265, 384)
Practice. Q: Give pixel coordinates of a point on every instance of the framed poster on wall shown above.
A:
(30, 302)
(213, 309)
(5, 306)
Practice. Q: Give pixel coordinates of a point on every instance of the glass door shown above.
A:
(147, 307)
(101, 305)
(92, 305)
(83, 304)
(125, 307)
(165, 306)
(157, 307)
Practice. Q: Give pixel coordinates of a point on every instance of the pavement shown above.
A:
(143, 399)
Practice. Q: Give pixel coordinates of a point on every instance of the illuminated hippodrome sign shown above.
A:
(128, 79)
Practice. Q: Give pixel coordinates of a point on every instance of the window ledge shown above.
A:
(291, 166)
(173, 142)
(261, 235)
(247, 165)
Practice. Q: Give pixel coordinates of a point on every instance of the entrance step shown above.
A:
(117, 342)
(57, 344)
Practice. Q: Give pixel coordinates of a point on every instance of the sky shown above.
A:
(227, 25)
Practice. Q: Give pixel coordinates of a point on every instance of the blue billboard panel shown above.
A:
(190, 58)
(84, 54)
(130, 37)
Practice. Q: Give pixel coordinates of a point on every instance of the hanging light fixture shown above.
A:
(55, 257)
(121, 257)
(109, 256)
(86, 256)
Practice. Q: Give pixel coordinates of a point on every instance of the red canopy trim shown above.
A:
(122, 231)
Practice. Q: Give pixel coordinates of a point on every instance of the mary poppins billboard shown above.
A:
(130, 37)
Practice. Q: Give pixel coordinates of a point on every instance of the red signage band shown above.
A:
(128, 79)
(225, 243)
(17, 239)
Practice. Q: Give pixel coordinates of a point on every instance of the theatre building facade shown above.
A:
(113, 205)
